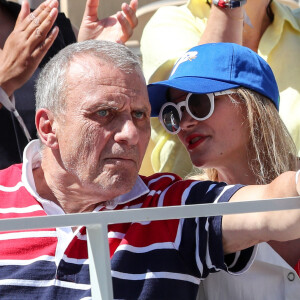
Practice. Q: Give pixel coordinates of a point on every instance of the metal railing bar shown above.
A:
(96, 225)
(99, 262)
(147, 214)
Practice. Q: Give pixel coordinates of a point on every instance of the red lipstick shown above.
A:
(194, 140)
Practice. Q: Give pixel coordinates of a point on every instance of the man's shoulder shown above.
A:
(16, 200)
(161, 178)
(10, 176)
(173, 190)
(161, 182)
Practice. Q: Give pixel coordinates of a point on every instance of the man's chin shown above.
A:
(120, 183)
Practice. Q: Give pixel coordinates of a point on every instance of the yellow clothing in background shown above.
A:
(174, 30)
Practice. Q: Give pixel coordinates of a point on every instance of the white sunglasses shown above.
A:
(199, 106)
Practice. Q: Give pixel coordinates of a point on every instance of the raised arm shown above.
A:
(26, 46)
(116, 28)
(224, 25)
(244, 230)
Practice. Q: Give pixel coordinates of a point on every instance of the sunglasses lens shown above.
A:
(171, 118)
(199, 105)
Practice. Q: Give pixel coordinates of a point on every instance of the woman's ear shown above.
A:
(46, 128)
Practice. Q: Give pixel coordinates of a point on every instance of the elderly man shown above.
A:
(93, 123)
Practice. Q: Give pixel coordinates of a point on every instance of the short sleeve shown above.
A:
(205, 234)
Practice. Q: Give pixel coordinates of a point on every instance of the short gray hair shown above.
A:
(51, 86)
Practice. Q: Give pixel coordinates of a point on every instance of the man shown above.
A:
(93, 123)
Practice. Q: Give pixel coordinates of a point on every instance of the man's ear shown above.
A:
(46, 128)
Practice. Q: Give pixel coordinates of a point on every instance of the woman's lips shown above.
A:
(194, 141)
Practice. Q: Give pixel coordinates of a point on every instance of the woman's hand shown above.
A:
(28, 43)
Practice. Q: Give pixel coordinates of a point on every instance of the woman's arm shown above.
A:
(244, 230)
(224, 25)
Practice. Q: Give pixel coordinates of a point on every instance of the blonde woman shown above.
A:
(222, 101)
(270, 150)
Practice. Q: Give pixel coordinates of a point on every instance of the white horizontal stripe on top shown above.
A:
(116, 235)
(21, 210)
(24, 262)
(166, 245)
(76, 261)
(152, 275)
(11, 188)
(27, 235)
(45, 283)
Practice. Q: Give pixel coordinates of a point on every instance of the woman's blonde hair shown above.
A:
(271, 150)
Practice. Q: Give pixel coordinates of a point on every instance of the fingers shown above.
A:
(41, 24)
(134, 4)
(129, 12)
(24, 12)
(42, 49)
(125, 28)
(37, 17)
(91, 10)
(127, 19)
(40, 33)
(22, 22)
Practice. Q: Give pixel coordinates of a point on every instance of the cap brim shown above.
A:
(158, 91)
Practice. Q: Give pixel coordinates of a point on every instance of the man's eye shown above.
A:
(139, 114)
(103, 112)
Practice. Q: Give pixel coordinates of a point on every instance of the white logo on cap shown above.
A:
(186, 57)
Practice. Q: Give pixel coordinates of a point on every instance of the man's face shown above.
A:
(105, 129)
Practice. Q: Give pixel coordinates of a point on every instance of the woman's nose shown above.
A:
(187, 121)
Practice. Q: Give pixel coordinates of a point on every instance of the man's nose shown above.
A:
(128, 133)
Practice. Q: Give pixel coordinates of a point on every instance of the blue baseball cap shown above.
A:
(213, 68)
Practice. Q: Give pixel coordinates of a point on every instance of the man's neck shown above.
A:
(52, 183)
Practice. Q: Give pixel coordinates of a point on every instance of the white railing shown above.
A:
(96, 224)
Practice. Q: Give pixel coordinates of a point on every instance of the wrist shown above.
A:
(233, 15)
(229, 3)
(9, 92)
(5, 86)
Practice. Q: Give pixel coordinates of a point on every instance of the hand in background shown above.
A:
(28, 43)
(116, 28)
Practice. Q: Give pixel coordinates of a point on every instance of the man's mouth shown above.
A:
(121, 161)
